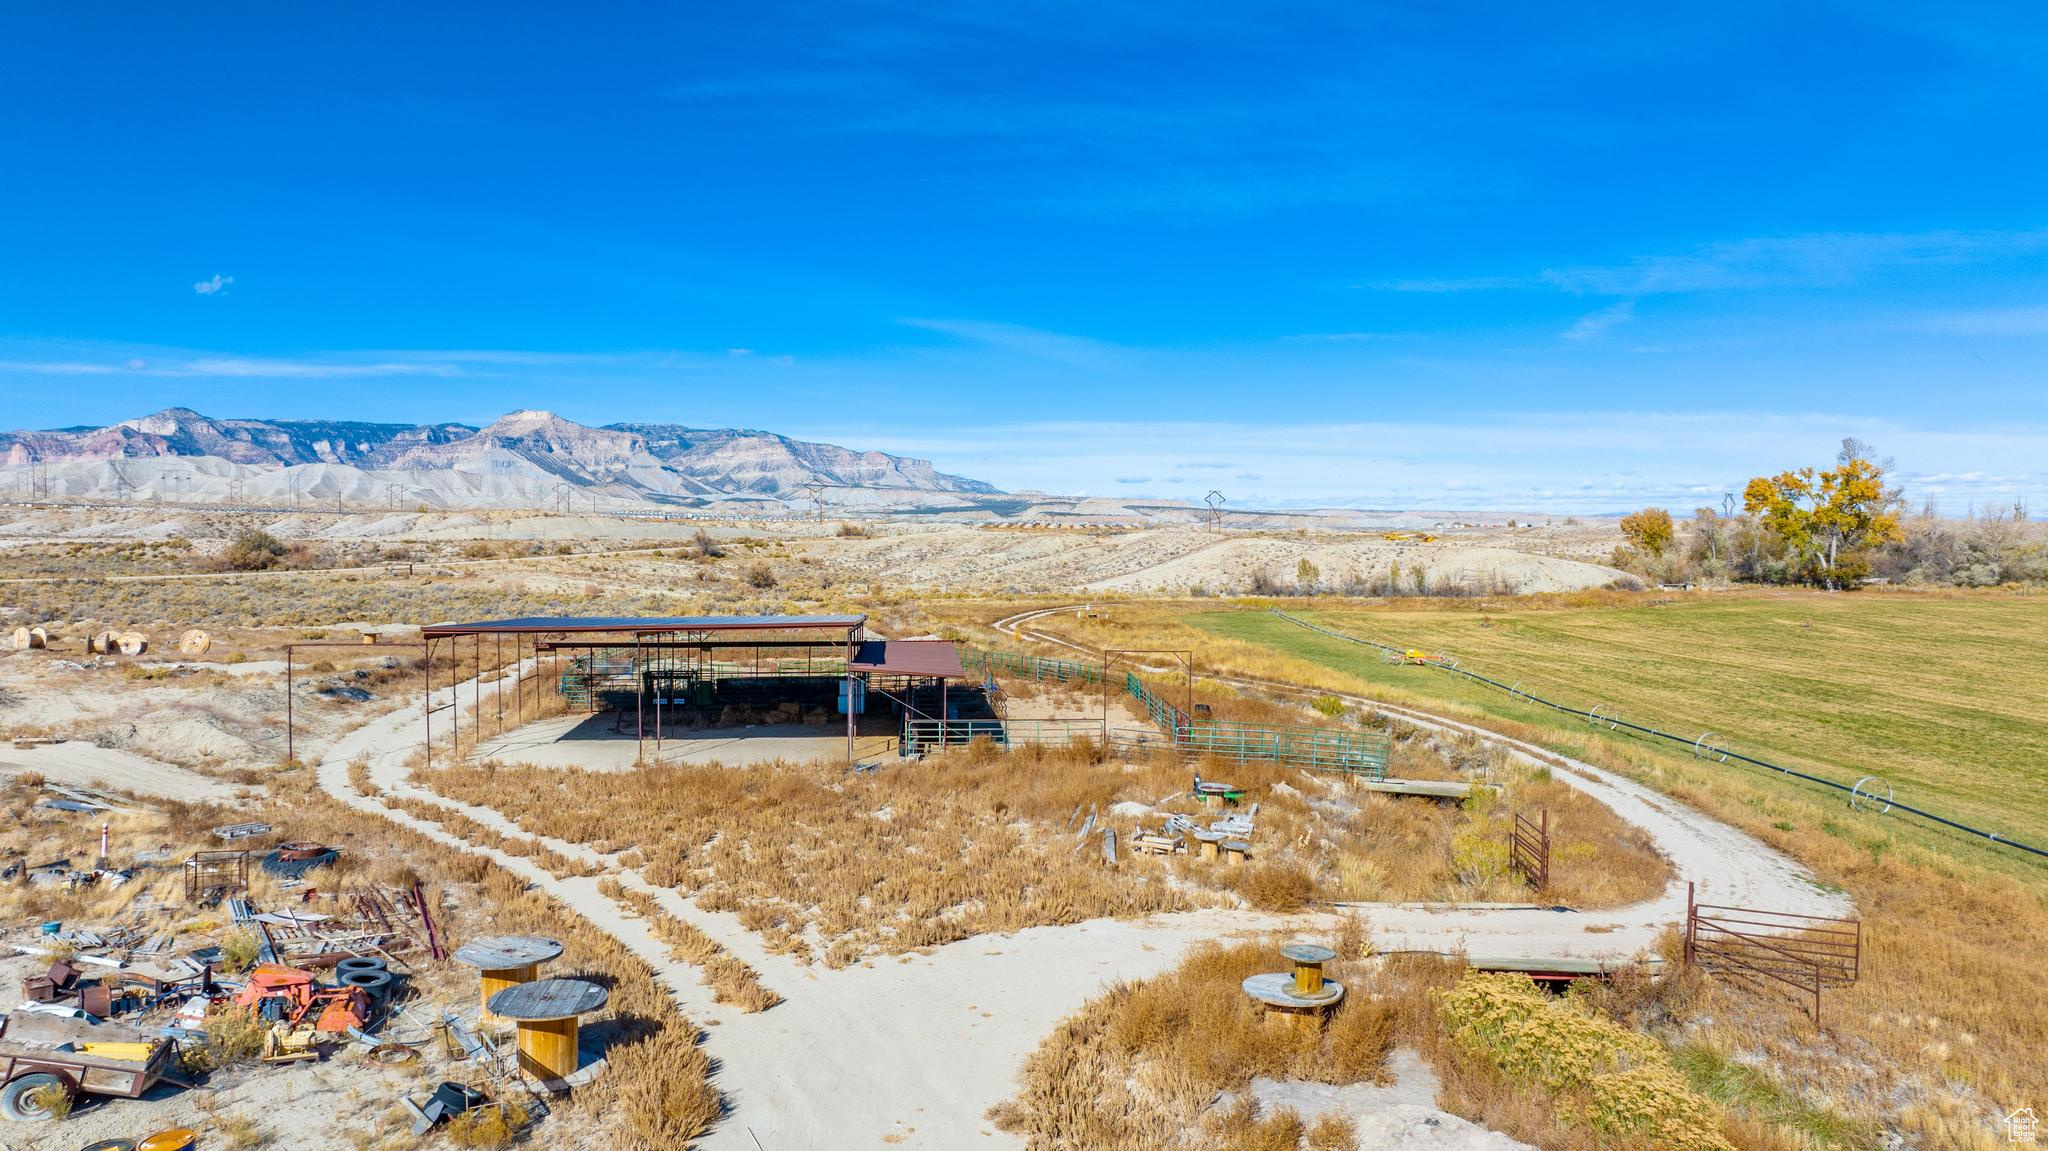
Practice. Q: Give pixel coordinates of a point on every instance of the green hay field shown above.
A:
(1945, 696)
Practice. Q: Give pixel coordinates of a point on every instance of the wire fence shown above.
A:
(920, 735)
(1030, 667)
(1364, 753)
(1697, 744)
(1319, 749)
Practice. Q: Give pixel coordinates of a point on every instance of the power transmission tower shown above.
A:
(394, 491)
(561, 498)
(1215, 501)
(235, 491)
(815, 489)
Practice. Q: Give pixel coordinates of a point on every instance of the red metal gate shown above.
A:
(1529, 848)
(1803, 952)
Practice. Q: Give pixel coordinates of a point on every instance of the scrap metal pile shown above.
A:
(173, 991)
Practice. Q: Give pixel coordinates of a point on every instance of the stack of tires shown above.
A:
(366, 973)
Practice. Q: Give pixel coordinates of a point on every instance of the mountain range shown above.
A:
(525, 458)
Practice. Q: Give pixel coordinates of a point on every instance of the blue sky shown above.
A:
(1549, 257)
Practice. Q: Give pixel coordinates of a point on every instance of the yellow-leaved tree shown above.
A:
(1828, 520)
(1648, 530)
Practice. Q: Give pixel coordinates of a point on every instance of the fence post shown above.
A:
(1691, 924)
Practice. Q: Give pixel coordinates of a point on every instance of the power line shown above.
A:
(1698, 745)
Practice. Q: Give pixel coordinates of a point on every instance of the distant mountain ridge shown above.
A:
(521, 456)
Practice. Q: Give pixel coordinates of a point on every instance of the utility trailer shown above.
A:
(78, 1056)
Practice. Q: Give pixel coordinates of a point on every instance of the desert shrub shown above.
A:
(56, 1099)
(239, 1132)
(1243, 1127)
(761, 576)
(1612, 1079)
(487, 1127)
(1279, 887)
(238, 950)
(233, 1035)
(1360, 1037)
(1333, 1132)
(853, 531)
(252, 550)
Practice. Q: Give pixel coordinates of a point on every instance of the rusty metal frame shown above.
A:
(1806, 953)
(1529, 848)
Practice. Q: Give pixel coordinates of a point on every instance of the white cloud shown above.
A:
(214, 286)
(1817, 259)
(1596, 324)
(2025, 321)
(1565, 464)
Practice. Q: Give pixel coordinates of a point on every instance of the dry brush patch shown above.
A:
(1150, 1064)
(981, 840)
(731, 980)
(917, 855)
(474, 831)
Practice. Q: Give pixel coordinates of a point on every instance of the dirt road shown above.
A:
(76, 763)
(914, 1050)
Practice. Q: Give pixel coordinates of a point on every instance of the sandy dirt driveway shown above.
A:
(75, 763)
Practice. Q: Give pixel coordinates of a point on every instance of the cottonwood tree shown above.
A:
(1649, 531)
(1828, 519)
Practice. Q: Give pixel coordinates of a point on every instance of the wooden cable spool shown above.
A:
(131, 643)
(194, 642)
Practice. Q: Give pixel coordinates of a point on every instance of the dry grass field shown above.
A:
(1935, 1040)
(977, 841)
(1933, 691)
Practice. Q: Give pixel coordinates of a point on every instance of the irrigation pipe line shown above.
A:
(1697, 745)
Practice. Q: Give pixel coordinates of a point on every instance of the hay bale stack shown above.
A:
(194, 642)
(131, 643)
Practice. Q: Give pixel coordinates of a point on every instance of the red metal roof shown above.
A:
(937, 657)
